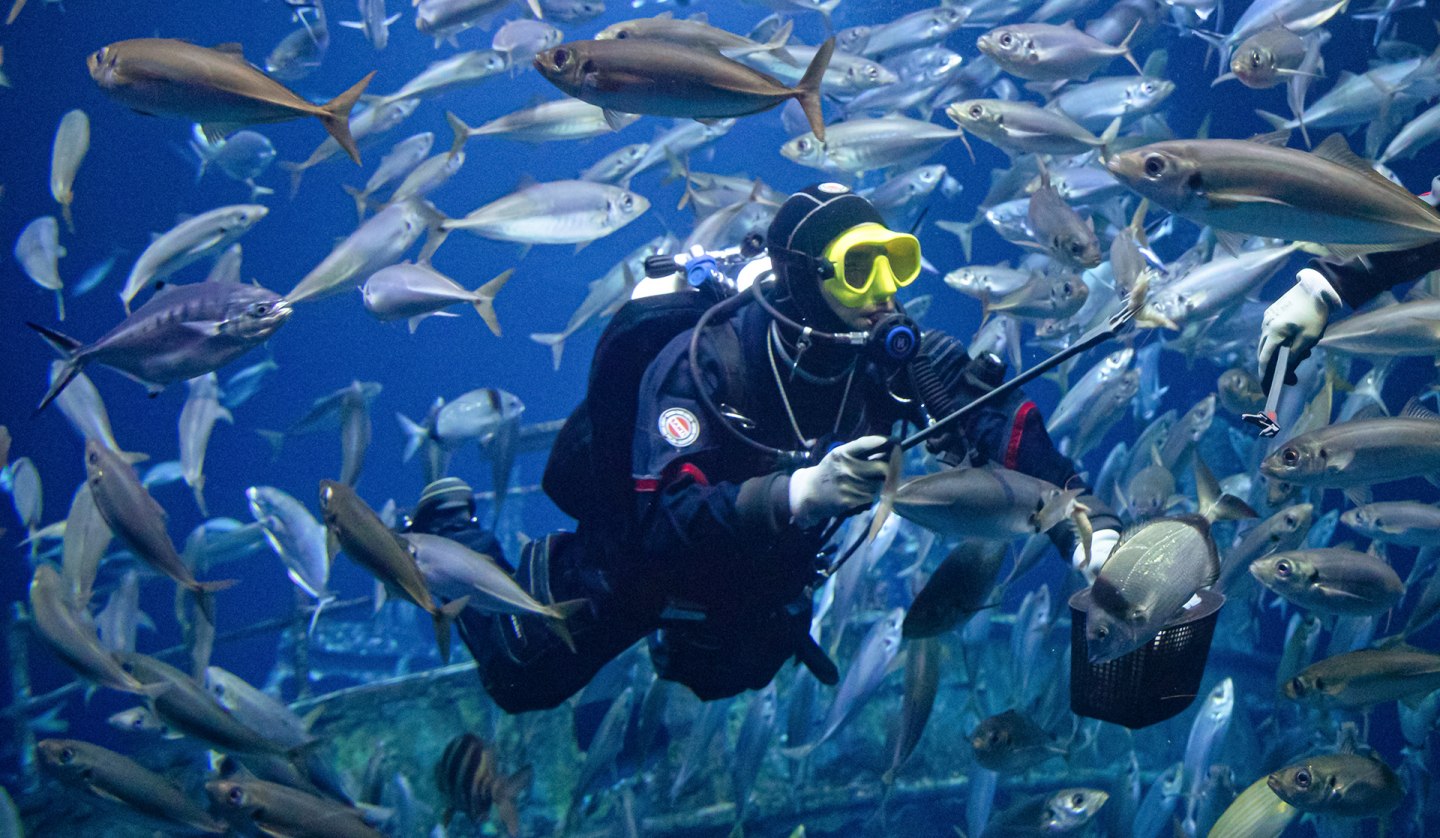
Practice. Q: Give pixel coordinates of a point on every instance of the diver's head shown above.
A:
(837, 264)
(442, 499)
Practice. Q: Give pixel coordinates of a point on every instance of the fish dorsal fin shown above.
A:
(1369, 411)
(665, 15)
(231, 48)
(1279, 138)
(699, 17)
(1415, 410)
(1156, 64)
(1337, 151)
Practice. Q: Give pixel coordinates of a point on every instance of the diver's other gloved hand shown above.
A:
(838, 483)
(1102, 544)
(1298, 320)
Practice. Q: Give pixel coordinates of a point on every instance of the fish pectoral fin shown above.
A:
(617, 119)
(208, 328)
(1224, 199)
(1337, 593)
(217, 131)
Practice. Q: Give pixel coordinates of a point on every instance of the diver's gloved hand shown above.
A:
(1298, 320)
(1102, 544)
(838, 484)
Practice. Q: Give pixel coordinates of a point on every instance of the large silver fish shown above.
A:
(1411, 328)
(1330, 198)
(192, 239)
(378, 242)
(558, 212)
(68, 630)
(1361, 452)
(1045, 52)
(413, 292)
(38, 250)
(985, 503)
(296, 537)
(201, 411)
(1341, 785)
(664, 79)
(110, 778)
(215, 87)
(182, 332)
(1331, 580)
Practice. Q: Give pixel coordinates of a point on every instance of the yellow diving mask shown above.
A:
(870, 263)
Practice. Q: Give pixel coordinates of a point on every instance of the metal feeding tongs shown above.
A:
(1266, 421)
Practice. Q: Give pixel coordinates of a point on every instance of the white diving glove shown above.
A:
(840, 482)
(1102, 544)
(1297, 319)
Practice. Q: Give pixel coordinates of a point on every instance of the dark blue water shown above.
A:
(136, 181)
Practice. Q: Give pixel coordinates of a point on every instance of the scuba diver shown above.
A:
(703, 505)
(1299, 317)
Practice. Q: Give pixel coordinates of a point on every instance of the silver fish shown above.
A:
(121, 617)
(376, 119)
(37, 250)
(257, 710)
(861, 145)
(197, 419)
(562, 119)
(1331, 197)
(917, 29)
(296, 537)
(87, 536)
(136, 519)
(83, 408)
(559, 212)
(68, 630)
(1044, 52)
(242, 156)
(106, 776)
(872, 662)
(72, 141)
(373, 23)
(452, 570)
(1206, 732)
(1331, 580)
(1066, 237)
(416, 291)
(1019, 127)
(460, 70)
(402, 159)
(1410, 523)
(182, 332)
(192, 239)
(1400, 329)
(443, 19)
(1361, 452)
(378, 242)
(984, 503)
(751, 745)
(519, 40)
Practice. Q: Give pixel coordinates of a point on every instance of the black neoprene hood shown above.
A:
(804, 226)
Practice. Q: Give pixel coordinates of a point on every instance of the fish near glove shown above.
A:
(1298, 320)
(843, 480)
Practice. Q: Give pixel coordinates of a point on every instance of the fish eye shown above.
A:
(67, 755)
(976, 111)
(260, 309)
(1302, 778)
(560, 58)
(621, 35)
(1297, 686)
(236, 796)
(1102, 632)
(1006, 39)
(1290, 521)
(1378, 523)
(1319, 683)
(1256, 58)
(1324, 455)
(627, 203)
(1282, 567)
(872, 71)
(1154, 165)
(1066, 288)
(1290, 456)
(1077, 800)
(1147, 87)
(803, 145)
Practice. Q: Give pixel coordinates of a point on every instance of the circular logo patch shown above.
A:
(679, 427)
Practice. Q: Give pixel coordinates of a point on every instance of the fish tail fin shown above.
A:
(485, 299)
(152, 690)
(504, 796)
(275, 438)
(554, 340)
(297, 172)
(415, 435)
(66, 347)
(69, 219)
(335, 116)
(362, 200)
(204, 593)
(808, 89)
(1215, 506)
(1125, 45)
(315, 615)
(461, 131)
(444, 616)
(565, 610)
(1276, 121)
(198, 490)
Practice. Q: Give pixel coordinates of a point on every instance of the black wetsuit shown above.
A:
(711, 534)
(1358, 283)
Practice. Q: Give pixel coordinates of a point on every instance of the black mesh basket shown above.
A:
(1152, 683)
